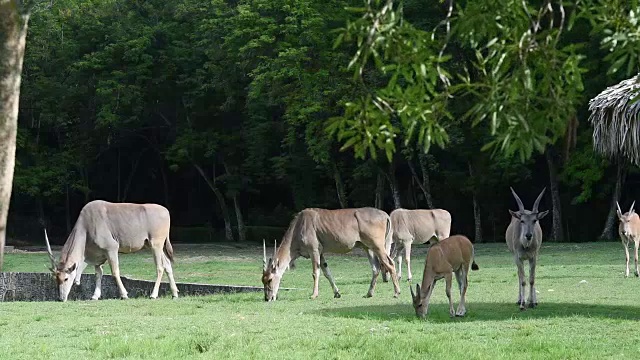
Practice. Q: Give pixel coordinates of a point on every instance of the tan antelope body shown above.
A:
(451, 255)
(104, 229)
(416, 227)
(524, 238)
(314, 232)
(629, 230)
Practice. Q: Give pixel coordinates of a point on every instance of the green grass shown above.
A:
(597, 319)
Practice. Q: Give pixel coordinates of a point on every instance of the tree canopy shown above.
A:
(237, 114)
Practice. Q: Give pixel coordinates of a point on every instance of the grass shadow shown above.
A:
(486, 311)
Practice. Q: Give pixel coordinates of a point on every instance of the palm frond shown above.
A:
(614, 116)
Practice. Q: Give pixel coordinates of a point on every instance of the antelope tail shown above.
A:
(388, 237)
(168, 249)
(474, 266)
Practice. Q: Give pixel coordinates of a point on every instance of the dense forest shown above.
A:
(222, 111)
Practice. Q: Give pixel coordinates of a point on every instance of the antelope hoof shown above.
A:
(124, 297)
(533, 305)
(369, 294)
(336, 295)
(153, 297)
(95, 297)
(174, 296)
(452, 314)
(313, 296)
(461, 312)
(637, 275)
(396, 295)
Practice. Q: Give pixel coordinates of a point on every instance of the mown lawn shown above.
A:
(575, 319)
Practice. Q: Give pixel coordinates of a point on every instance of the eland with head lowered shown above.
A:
(453, 255)
(314, 232)
(105, 229)
(524, 238)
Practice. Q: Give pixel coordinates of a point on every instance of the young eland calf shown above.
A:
(524, 238)
(629, 229)
(451, 255)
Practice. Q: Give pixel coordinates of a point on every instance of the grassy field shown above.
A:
(575, 319)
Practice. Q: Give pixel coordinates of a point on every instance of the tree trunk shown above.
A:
(134, 167)
(557, 233)
(13, 32)
(84, 171)
(379, 201)
(411, 195)
(342, 197)
(609, 232)
(393, 184)
(426, 181)
(119, 197)
(228, 233)
(165, 185)
(242, 232)
(67, 210)
(476, 208)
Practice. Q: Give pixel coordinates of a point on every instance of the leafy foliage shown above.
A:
(410, 102)
(268, 100)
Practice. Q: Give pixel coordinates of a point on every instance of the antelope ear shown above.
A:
(71, 269)
(542, 214)
(515, 214)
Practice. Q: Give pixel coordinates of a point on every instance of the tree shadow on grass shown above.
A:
(439, 313)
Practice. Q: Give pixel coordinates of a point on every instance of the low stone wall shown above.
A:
(16, 286)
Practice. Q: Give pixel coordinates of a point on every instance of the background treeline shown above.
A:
(217, 110)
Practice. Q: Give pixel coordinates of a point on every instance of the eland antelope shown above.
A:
(451, 255)
(629, 230)
(524, 238)
(416, 227)
(104, 229)
(314, 232)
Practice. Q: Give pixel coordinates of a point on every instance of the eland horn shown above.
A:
(51, 257)
(264, 255)
(520, 205)
(535, 204)
(275, 247)
(631, 209)
(619, 210)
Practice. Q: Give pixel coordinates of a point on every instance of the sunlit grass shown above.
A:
(594, 318)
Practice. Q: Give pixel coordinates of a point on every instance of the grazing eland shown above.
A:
(103, 230)
(314, 232)
(629, 230)
(451, 255)
(524, 238)
(416, 227)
